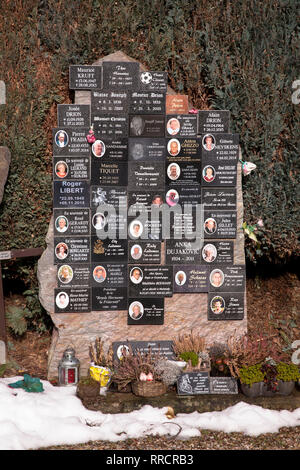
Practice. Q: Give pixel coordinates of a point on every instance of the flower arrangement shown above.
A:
(191, 348)
(101, 362)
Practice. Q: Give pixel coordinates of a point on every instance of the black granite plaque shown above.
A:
(109, 275)
(193, 383)
(145, 227)
(108, 250)
(71, 250)
(110, 149)
(109, 102)
(71, 222)
(164, 348)
(72, 300)
(220, 148)
(219, 174)
(109, 223)
(214, 121)
(183, 150)
(181, 125)
(183, 226)
(143, 149)
(146, 175)
(223, 385)
(75, 275)
(220, 252)
(105, 173)
(109, 298)
(153, 81)
(85, 77)
(227, 278)
(73, 115)
(150, 281)
(68, 194)
(143, 200)
(121, 75)
(145, 311)
(70, 141)
(190, 279)
(183, 173)
(225, 306)
(71, 168)
(147, 102)
(183, 195)
(113, 126)
(219, 224)
(183, 251)
(144, 252)
(220, 199)
(106, 195)
(146, 125)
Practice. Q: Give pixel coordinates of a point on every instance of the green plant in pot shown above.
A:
(190, 348)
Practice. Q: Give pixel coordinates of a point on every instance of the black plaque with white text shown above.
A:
(146, 125)
(225, 306)
(109, 102)
(108, 250)
(153, 81)
(150, 281)
(70, 141)
(71, 222)
(71, 250)
(72, 300)
(113, 126)
(85, 77)
(181, 125)
(75, 275)
(110, 149)
(145, 311)
(147, 102)
(183, 251)
(71, 168)
(220, 252)
(193, 383)
(220, 224)
(73, 115)
(143, 252)
(146, 149)
(214, 121)
(227, 278)
(121, 75)
(219, 198)
(190, 279)
(67, 194)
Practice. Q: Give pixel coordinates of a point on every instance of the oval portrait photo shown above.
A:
(99, 221)
(61, 224)
(173, 171)
(208, 142)
(136, 252)
(98, 148)
(209, 253)
(180, 278)
(65, 274)
(210, 226)
(173, 147)
(99, 274)
(172, 197)
(61, 138)
(136, 275)
(61, 169)
(136, 229)
(122, 351)
(173, 126)
(136, 310)
(216, 278)
(62, 300)
(208, 173)
(217, 305)
(61, 250)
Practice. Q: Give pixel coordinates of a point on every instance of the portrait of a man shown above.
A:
(217, 305)
(137, 151)
(136, 275)
(180, 278)
(99, 274)
(136, 252)
(208, 142)
(61, 138)
(208, 174)
(173, 126)
(173, 147)
(216, 278)
(61, 224)
(137, 125)
(173, 171)
(210, 226)
(99, 221)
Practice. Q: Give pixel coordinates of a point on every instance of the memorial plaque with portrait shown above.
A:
(145, 311)
(71, 222)
(219, 198)
(72, 300)
(183, 195)
(150, 281)
(145, 227)
(143, 149)
(220, 224)
(181, 125)
(183, 251)
(193, 383)
(110, 150)
(177, 104)
(121, 75)
(109, 224)
(71, 250)
(71, 194)
(75, 275)
(219, 174)
(164, 348)
(109, 275)
(144, 252)
(108, 250)
(190, 279)
(220, 252)
(113, 126)
(85, 77)
(146, 175)
(146, 125)
(221, 148)
(227, 278)
(225, 306)
(73, 115)
(183, 173)
(153, 81)
(144, 200)
(107, 195)
(183, 150)
(109, 102)
(147, 102)
(214, 121)
(109, 298)
(71, 168)
(105, 173)
(70, 141)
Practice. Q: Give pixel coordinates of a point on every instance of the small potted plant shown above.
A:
(191, 348)
(218, 353)
(87, 387)
(101, 363)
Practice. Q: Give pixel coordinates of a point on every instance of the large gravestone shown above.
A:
(199, 304)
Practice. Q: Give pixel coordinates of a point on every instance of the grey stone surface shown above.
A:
(5, 159)
(183, 312)
(2, 92)
(2, 352)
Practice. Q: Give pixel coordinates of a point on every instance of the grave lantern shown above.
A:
(68, 368)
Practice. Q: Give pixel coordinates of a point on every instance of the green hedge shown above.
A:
(232, 55)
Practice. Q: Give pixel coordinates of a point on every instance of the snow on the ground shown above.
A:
(57, 417)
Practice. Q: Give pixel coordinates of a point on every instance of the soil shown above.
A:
(272, 308)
